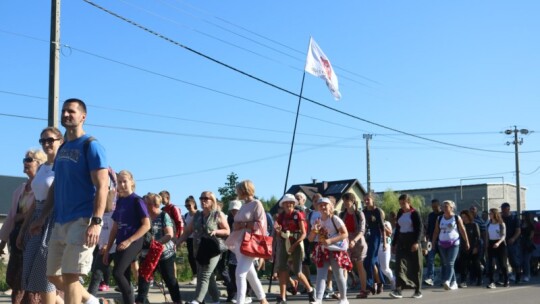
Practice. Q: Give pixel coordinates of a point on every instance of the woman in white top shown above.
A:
(35, 246)
(251, 216)
(496, 247)
(449, 230)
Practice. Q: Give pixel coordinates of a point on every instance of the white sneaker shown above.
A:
(193, 282)
(248, 300)
(446, 285)
(92, 300)
(428, 282)
(453, 286)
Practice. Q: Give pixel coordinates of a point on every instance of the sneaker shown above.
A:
(491, 286)
(453, 286)
(293, 289)
(462, 285)
(311, 296)
(193, 282)
(328, 293)
(506, 284)
(396, 294)
(248, 300)
(417, 294)
(380, 288)
(446, 285)
(429, 282)
(103, 287)
(279, 300)
(92, 300)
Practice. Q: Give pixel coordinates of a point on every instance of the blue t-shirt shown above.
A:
(128, 215)
(73, 188)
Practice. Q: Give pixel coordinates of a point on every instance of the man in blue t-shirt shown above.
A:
(78, 196)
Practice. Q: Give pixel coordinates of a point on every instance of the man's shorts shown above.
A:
(68, 252)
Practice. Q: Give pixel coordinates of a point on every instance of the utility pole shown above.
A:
(516, 143)
(368, 137)
(54, 64)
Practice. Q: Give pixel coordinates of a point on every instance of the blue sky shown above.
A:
(458, 72)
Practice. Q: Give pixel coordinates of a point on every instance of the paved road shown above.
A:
(518, 294)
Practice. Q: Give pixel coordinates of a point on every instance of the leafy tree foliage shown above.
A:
(389, 202)
(228, 192)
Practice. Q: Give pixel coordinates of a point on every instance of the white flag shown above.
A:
(317, 64)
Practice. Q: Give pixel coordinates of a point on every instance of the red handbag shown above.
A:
(256, 245)
(151, 261)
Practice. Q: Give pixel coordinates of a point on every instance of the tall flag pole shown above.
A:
(319, 65)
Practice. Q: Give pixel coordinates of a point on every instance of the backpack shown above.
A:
(112, 175)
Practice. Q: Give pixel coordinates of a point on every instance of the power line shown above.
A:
(278, 87)
(440, 179)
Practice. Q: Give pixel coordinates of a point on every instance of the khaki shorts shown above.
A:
(67, 250)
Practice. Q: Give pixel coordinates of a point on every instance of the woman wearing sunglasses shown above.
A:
(34, 277)
(22, 200)
(209, 223)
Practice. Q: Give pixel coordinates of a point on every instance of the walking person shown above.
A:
(21, 201)
(35, 247)
(290, 228)
(355, 222)
(496, 248)
(449, 232)
(469, 260)
(208, 223)
(513, 245)
(250, 217)
(430, 258)
(374, 236)
(161, 231)
(331, 250)
(406, 245)
(191, 206)
(78, 195)
(384, 255)
(101, 272)
(527, 245)
(131, 222)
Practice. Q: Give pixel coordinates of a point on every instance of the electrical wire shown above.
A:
(276, 86)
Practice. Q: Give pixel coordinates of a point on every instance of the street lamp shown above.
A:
(516, 144)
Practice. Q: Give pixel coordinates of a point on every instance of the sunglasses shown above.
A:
(203, 198)
(28, 159)
(48, 140)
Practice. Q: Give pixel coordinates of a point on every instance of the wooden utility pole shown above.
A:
(54, 64)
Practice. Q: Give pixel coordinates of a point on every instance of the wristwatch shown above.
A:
(96, 221)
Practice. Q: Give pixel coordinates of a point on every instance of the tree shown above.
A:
(389, 203)
(228, 192)
(269, 203)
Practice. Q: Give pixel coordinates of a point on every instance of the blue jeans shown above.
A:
(373, 242)
(448, 258)
(430, 262)
(514, 257)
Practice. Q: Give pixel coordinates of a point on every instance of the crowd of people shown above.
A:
(75, 215)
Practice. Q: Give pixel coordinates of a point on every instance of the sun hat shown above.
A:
(235, 205)
(288, 198)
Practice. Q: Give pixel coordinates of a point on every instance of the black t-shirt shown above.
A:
(512, 223)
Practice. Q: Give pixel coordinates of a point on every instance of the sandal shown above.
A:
(362, 295)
